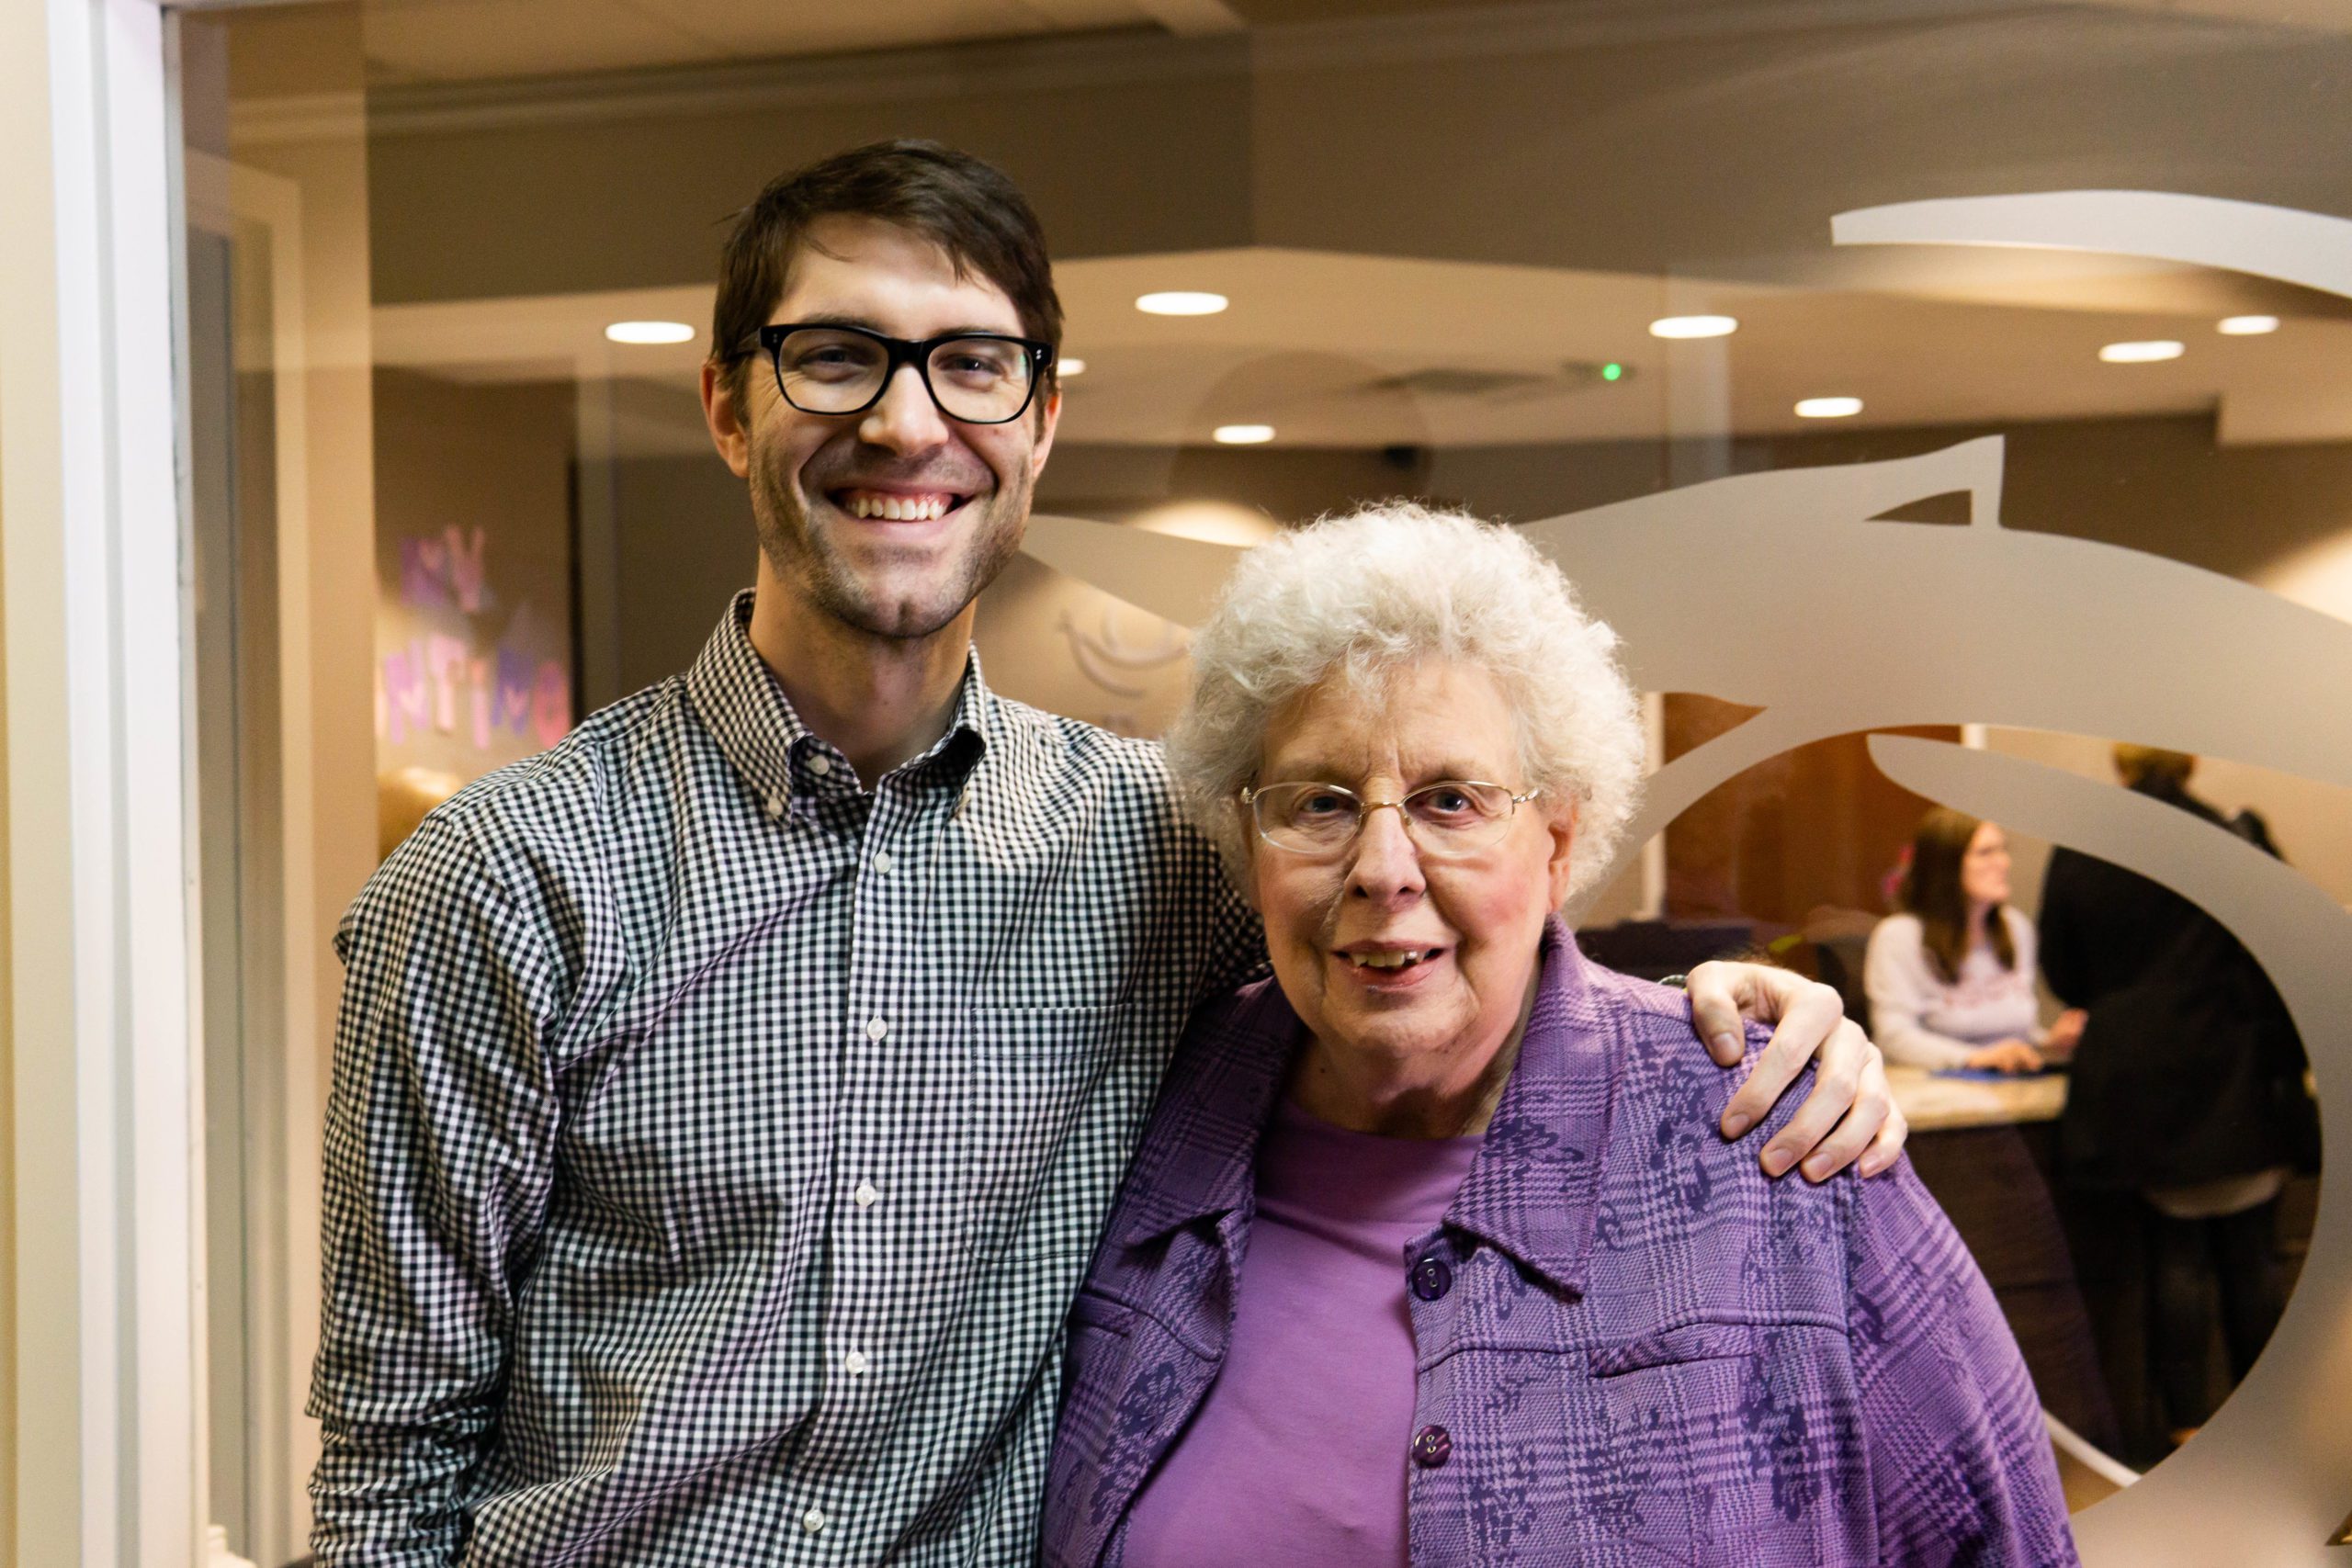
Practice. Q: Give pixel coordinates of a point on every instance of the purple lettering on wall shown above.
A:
(424, 570)
(406, 704)
(514, 705)
(466, 566)
(447, 658)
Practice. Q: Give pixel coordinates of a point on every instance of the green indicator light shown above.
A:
(1613, 371)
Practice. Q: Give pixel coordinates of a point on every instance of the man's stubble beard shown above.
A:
(800, 555)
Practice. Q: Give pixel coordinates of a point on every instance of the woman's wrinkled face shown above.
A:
(1985, 867)
(1381, 947)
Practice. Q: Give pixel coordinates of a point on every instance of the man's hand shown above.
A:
(1849, 1116)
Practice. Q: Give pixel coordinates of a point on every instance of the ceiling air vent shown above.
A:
(1450, 381)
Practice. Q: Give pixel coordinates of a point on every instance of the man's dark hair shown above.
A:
(967, 207)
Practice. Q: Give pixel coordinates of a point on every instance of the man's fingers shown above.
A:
(1716, 992)
(1858, 1133)
(1887, 1147)
(1812, 1016)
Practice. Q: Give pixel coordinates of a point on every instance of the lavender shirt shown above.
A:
(1296, 1455)
(1636, 1349)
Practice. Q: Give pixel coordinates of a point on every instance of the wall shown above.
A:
(474, 636)
(9, 1426)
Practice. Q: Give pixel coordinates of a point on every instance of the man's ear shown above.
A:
(1561, 823)
(730, 429)
(1047, 422)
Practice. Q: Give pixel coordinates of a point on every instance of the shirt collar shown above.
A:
(1534, 1190)
(1530, 1192)
(1197, 1163)
(744, 707)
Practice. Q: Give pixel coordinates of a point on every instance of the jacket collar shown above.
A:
(744, 707)
(1533, 1190)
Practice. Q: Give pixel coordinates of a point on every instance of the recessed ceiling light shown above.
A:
(650, 332)
(1244, 434)
(2141, 352)
(1070, 365)
(2247, 326)
(1828, 408)
(1181, 302)
(1694, 326)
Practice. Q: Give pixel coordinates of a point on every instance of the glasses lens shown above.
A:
(1454, 816)
(823, 371)
(982, 380)
(1308, 817)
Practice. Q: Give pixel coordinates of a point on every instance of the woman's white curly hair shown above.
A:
(1359, 596)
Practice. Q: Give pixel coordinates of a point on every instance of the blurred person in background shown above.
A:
(2189, 1088)
(1950, 979)
(1431, 1254)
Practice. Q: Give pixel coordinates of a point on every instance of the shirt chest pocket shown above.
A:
(1037, 1167)
(1728, 1437)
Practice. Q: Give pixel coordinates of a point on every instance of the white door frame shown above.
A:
(107, 1189)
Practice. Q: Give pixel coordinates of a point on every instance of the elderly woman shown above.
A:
(1432, 1252)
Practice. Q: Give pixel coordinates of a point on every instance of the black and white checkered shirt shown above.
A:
(714, 1149)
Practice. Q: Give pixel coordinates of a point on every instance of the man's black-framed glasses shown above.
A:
(974, 377)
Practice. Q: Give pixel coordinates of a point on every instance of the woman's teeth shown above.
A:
(899, 509)
(1402, 958)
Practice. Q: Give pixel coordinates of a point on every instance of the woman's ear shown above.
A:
(1245, 874)
(1560, 822)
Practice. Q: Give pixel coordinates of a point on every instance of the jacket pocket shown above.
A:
(1689, 1342)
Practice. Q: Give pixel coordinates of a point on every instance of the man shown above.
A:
(726, 1102)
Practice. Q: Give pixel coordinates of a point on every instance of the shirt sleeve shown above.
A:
(1237, 938)
(1962, 1468)
(440, 1128)
(1901, 989)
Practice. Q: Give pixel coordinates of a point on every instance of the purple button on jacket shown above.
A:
(1647, 1352)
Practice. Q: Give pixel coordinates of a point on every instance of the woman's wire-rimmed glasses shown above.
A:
(973, 377)
(1452, 817)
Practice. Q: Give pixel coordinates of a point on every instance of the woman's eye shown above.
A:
(1321, 805)
(1449, 802)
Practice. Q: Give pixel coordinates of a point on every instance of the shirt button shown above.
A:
(819, 764)
(864, 1195)
(813, 1520)
(883, 861)
(854, 1364)
(876, 1029)
(1432, 1446)
(776, 806)
(1431, 1279)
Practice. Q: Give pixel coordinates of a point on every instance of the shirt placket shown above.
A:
(1434, 1269)
(868, 1189)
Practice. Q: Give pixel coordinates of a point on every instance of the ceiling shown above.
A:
(1316, 345)
(422, 42)
(425, 43)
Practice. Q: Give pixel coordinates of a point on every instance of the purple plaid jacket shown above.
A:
(1639, 1350)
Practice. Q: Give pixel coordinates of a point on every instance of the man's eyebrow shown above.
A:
(847, 318)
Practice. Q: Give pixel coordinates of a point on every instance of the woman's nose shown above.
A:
(1387, 863)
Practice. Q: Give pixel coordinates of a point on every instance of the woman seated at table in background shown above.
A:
(1950, 979)
(1433, 1252)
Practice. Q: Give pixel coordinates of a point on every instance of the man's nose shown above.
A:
(904, 419)
(1388, 865)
